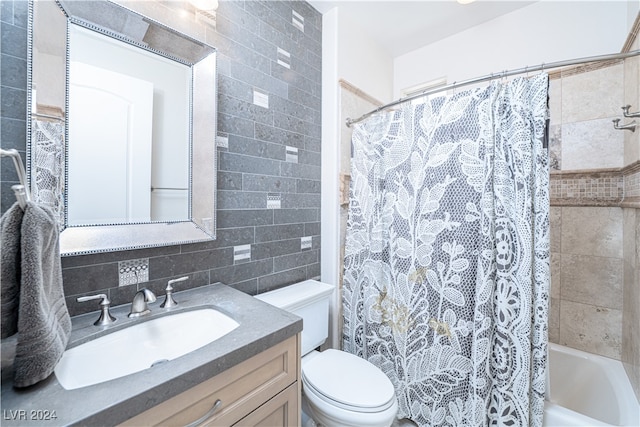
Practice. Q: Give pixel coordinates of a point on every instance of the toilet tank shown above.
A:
(310, 300)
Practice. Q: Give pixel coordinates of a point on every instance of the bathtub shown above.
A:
(588, 390)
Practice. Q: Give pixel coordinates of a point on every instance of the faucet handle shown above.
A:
(105, 316)
(169, 301)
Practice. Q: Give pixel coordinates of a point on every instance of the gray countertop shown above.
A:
(112, 402)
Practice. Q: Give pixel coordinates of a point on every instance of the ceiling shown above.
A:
(402, 26)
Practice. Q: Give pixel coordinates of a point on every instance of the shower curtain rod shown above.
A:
(506, 73)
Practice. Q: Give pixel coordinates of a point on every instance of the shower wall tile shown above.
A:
(630, 244)
(595, 290)
(605, 188)
(554, 320)
(631, 300)
(586, 278)
(591, 144)
(555, 219)
(591, 328)
(632, 185)
(556, 274)
(592, 280)
(596, 94)
(595, 231)
(631, 97)
(555, 147)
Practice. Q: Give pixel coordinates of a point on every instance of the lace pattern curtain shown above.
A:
(447, 254)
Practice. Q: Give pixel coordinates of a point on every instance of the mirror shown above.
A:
(122, 125)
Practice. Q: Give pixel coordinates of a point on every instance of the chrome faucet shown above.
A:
(140, 300)
(629, 126)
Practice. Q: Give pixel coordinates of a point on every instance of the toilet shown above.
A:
(338, 388)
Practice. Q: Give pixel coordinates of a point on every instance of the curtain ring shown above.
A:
(526, 71)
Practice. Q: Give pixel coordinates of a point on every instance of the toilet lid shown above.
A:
(348, 379)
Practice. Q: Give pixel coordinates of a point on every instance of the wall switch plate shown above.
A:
(133, 272)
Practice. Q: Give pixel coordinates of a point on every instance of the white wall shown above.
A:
(361, 62)
(348, 55)
(329, 214)
(543, 32)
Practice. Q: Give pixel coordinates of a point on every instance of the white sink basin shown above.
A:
(140, 346)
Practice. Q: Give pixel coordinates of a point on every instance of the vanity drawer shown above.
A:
(281, 411)
(239, 391)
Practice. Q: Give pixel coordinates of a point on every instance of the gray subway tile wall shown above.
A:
(251, 37)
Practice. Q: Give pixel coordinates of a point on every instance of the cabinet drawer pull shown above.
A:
(209, 413)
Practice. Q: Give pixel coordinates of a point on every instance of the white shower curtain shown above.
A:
(447, 254)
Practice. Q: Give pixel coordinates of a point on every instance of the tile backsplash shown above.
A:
(267, 203)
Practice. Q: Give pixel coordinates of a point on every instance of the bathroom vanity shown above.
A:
(263, 391)
(249, 376)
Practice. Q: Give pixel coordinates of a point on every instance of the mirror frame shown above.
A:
(201, 224)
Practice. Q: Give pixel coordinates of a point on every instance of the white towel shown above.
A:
(43, 320)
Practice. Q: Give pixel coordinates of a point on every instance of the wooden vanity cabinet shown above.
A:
(261, 391)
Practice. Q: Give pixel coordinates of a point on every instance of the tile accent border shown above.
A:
(359, 92)
(579, 69)
(297, 20)
(631, 176)
(618, 187)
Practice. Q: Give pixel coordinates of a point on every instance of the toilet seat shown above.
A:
(349, 382)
